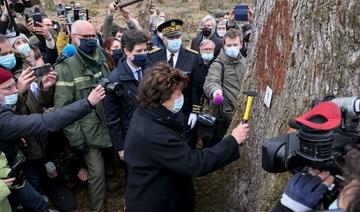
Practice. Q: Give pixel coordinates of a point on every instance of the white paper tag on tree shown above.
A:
(268, 96)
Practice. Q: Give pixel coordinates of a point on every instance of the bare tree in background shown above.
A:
(301, 49)
(49, 4)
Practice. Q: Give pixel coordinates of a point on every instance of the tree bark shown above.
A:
(301, 49)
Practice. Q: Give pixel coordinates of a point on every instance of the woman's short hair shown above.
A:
(159, 83)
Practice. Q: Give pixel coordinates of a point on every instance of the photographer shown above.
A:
(76, 77)
(119, 109)
(110, 28)
(14, 127)
(158, 158)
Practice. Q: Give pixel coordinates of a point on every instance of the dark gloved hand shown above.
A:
(305, 191)
(81, 149)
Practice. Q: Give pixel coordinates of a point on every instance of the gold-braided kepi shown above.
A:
(171, 27)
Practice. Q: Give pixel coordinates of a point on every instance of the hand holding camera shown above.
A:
(25, 79)
(49, 80)
(241, 133)
(96, 95)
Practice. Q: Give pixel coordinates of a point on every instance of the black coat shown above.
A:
(188, 62)
(13, 127)
(119, 109)
(161, 164)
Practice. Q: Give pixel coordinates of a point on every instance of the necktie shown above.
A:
(171, 60)
(138, 74)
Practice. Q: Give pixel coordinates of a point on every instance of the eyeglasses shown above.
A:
(88, 37)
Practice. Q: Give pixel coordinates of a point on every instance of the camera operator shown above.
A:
(158, 158)
(76, 77)
(109, 28)
(119, 109)
(305, 191)
(14, 127)
(208, 27)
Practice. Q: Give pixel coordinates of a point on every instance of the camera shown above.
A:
(114, 88)
(241, 12)
(19, 5)
(320, 149)
(43, 70)
(206, 119)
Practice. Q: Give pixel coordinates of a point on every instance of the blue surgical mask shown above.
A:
(11, 99)
(174, 45)
(24, 48)
(8, 61)
(232, 52)
(221, 33)
(207, 56)
(179, 102)
(139, 60)
(334, 205)
(88, 46)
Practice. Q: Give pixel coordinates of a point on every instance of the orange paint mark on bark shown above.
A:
(273, 50)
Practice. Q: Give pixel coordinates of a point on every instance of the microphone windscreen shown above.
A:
(218, 99)
(69, 50)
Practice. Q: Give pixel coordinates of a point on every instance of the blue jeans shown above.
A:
(28, 197)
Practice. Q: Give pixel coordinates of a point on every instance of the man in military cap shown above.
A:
(188, 61)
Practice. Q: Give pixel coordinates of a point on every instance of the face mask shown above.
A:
(232, 52)
(117, 54)
(207, 56)
(139, 60)
(174, 45)
(334, 205)
(8, 61)
(88, 46)
(206, 31)
(221, 33)
(11, 99)
(24, 48)
(178, 104)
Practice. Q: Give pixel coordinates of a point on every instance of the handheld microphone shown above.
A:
(218, 100)
(68, 51)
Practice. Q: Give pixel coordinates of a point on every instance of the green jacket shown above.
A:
(233, 76)
(75, 81)
(4, 190)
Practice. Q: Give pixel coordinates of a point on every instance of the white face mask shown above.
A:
(179, 102)
(11, 100)
(221, 33)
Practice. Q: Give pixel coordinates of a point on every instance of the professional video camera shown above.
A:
(17, 5)
(114, 88)
(323, 137)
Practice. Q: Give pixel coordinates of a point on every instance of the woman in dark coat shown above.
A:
(160, 163)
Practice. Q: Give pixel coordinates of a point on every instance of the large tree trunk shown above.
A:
(301, 49)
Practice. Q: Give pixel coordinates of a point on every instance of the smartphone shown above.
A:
(37, 18)
(241, 12)
(43, 70)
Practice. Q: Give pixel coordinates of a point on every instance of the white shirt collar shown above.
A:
(175, 57)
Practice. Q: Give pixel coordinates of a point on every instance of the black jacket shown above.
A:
(188, 62)
(14, 127)
(119, 109)
(161, 164)
(195, 43)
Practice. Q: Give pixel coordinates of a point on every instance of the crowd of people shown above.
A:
(124, 95)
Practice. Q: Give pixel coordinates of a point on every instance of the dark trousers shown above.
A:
(28, 197)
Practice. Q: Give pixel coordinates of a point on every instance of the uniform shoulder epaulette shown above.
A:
(154, 50)
(192, 51)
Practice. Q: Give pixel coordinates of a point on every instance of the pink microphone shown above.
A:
(218, 99)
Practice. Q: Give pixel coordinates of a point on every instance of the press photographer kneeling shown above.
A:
(327, 139)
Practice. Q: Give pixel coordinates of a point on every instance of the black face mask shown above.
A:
(88, 46)
(206, 31)
(247, 37)
(117, 54)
